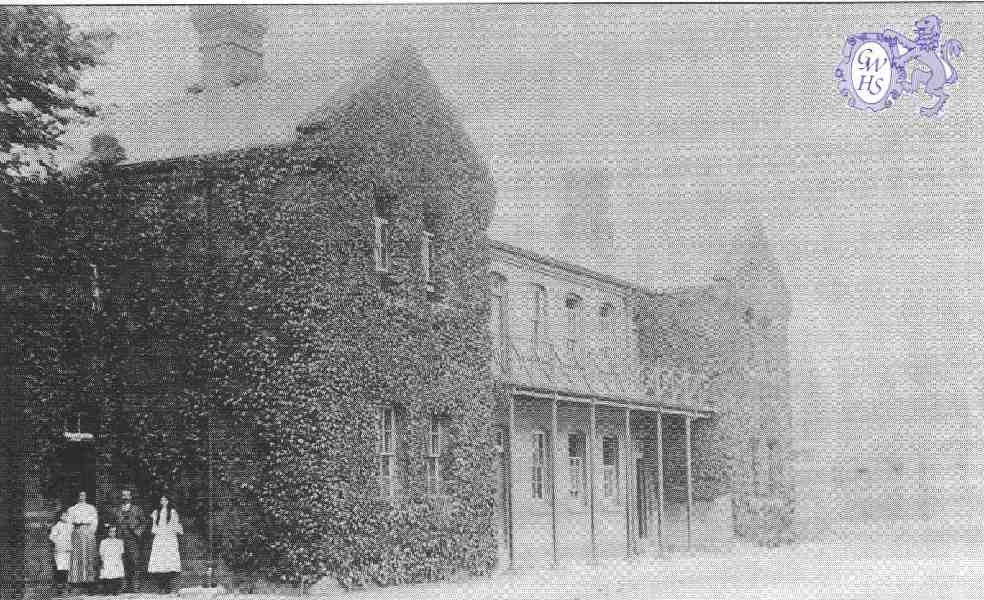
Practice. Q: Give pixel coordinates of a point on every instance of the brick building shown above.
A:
(641, 420)
(562, 414)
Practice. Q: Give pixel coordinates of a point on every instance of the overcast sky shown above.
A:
(700, 116)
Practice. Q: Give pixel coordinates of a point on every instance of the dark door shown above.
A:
(79, 473)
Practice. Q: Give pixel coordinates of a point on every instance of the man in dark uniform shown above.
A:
(131, 523)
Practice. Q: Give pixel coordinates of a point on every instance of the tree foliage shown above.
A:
(41, 61)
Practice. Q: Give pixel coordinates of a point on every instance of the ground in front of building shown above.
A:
(943, 565)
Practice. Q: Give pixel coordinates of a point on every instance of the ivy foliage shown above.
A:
(737, 343)
(238, 296)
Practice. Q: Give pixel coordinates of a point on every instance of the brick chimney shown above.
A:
(584, 224)
(231, 43)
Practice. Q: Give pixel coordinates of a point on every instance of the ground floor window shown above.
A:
(576, 466)
(609, 469)
(386, 429)
(536, 464)
(435, 444)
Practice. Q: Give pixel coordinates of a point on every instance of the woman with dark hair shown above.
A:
(165, 559)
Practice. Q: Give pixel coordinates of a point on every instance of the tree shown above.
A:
(41, 60)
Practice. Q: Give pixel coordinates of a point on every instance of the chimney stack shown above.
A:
(231, 43)
(585, 223)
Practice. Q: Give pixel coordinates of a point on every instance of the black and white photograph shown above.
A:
(482, 301)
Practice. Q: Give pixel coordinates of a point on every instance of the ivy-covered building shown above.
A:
(289, 316)
(287, 323)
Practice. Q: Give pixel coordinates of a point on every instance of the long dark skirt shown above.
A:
(83, 555)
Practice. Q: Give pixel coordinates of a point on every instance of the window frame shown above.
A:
(498, 315)
(611, 473)
(386, 445)
(434, 451)
(499, 439)
(577, 463)
(537, 463)
(427, 256)
(606, 320)
(538, 309)
(382, 244)
(574, 333)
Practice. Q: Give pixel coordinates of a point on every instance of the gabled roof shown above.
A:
(262, 113)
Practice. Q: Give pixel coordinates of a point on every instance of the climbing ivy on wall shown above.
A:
(711, 334)
(239, 292)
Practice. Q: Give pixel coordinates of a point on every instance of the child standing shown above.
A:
(111, 556)
(61, 536)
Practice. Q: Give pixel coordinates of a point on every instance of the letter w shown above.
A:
(865, 60)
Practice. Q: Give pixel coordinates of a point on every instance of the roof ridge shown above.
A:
(372, 71)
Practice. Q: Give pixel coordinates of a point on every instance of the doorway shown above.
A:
(78, 463)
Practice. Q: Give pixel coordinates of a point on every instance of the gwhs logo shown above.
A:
(873, 70)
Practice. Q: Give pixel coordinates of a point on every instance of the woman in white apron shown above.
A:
(165, 559)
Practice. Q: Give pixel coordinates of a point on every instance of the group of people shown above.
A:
(80, 562)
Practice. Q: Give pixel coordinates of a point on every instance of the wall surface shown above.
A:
(598, 332)
(251, 291)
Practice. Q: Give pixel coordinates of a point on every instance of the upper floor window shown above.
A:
(534, 322)
(383, 242)
(609, 469)
(497, 321)
(386, 451)
(574, 335)
(499, 440)
(435, 446)
(536, 464)
(606, 350)
(427, 258)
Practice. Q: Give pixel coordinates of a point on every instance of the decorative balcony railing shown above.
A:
(598, 374)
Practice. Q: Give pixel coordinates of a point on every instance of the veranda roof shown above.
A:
(595, 377)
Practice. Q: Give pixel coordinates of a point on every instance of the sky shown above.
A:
(698, 117)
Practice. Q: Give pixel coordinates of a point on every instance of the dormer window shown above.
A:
(383, 242)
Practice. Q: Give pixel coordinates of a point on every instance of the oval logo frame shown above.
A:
(869, 74)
